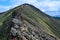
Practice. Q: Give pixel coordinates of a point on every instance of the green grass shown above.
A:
(35, 17)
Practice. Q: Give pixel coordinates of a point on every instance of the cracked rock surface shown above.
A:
(20, 29)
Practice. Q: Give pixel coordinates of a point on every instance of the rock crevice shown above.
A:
(21, 29)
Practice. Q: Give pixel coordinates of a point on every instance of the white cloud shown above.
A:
(5, 8)
(45, 5)
(51, 6)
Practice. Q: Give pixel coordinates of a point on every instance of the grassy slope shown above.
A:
(51, 24)
(35, 17)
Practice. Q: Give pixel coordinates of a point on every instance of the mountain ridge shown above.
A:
(34, 16)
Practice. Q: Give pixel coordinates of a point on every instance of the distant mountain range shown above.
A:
(58, 16)
(26, 22)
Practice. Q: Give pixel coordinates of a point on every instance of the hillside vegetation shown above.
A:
(35, 17)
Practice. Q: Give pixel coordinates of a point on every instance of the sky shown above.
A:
(50, 7)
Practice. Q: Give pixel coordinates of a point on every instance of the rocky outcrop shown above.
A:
(20, 29)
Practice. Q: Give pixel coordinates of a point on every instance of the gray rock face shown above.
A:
(23, 30)
(13, 31)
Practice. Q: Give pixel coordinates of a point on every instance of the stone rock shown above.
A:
(13, 31)
(23, 30)
(16, 26)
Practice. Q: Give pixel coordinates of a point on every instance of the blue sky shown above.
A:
(50, 7)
